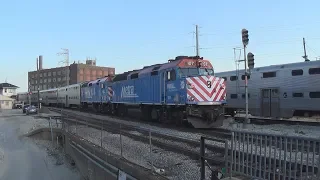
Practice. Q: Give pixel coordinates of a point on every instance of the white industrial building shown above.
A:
(8, 92)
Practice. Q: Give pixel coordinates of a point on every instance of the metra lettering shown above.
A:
(128, 92)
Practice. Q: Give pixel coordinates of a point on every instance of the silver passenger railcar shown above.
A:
(69, 96)
(49, 97)
(278, 91)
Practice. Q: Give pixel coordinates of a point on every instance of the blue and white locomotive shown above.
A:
(182, 90)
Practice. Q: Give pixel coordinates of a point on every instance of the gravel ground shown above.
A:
(278, 129)
(172, 165)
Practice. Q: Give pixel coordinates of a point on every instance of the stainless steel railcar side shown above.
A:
(279, 91)
(69, 96)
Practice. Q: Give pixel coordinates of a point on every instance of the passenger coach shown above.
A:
(278, 91)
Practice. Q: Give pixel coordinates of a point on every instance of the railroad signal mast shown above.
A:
(248, 62)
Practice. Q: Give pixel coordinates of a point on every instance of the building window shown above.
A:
(269, 74)
(54, 73)
(297, 72)
(59, 73)
(40, 74)
(45, 80)
(297, 94)
(44, 74)
(5, 90)
(59, 79)
(234, 96)
(233, 78)
(314, 94)
(49, 80)
(7, 103)
(40, 80)
(243, 77)
(49, 73)
(314, 71)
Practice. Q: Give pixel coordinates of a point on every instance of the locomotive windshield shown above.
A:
(190, 72)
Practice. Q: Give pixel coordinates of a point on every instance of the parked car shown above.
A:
(24, 109)
(31, 110)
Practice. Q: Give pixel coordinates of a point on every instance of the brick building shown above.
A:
(57, 77)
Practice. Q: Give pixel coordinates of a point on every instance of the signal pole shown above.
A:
(197, 41)
(66, 61)
(245, 41)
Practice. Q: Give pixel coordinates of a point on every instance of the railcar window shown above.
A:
(269, 74)
(244, 95)
(243, 77)
(314, 71)
(297, 94)
(314, 94)
(297, 72)
(233, 78)
(234, 96)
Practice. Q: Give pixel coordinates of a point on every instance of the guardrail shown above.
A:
(270, 156)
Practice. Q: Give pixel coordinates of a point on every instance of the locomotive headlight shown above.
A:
(190, 86)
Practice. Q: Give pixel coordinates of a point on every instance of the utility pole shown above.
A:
(38, 81)
(305, 52)
(66, 62)
(197, 41)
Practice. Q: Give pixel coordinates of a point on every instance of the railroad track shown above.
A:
(181, 145)
(178, 144)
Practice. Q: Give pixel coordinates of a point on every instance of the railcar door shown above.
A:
(275, 108)
(265, 103)
(270, 102)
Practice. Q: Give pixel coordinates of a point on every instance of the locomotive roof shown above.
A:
(155, 67)
(297, 65)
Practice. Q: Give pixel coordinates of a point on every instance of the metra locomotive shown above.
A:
(182, 90)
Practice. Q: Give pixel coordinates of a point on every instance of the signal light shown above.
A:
(250, 58)
(245, 36)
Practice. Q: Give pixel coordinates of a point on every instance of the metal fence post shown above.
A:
(226, 154)
(150, 143)
(202, 160)
(51, 129)
(101, 134)
(231, 164)
(121, 141)
(76, 126)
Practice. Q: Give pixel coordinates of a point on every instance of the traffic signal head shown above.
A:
(245, 37)
(250, 58)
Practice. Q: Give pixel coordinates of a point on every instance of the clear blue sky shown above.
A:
(131, 34)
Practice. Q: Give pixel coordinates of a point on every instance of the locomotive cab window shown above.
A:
(171, 75)
(191, 72)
